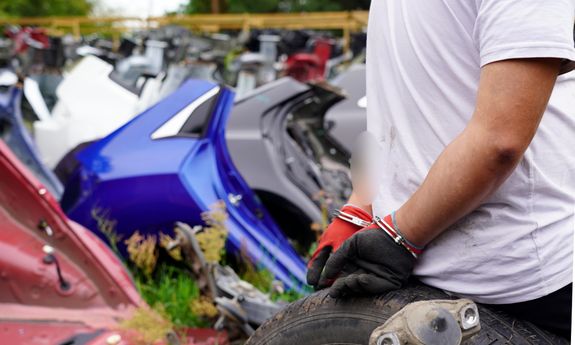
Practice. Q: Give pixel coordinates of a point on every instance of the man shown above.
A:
(475, 112)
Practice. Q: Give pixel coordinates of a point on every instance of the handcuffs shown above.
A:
(390, 230)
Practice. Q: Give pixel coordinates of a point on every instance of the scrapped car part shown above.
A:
(250, 67)
(257, 306)
(170, 164)
(240, 304)
(90, 106)
(319, 320)
(14, 133)
(8, 78)
(278, 142)
(348, 119)
(5, 52)
(128, 72)
(306, 67)
(48, 83)
(194, 258)
(60, 283)
(255, 69)
(34, 97)
(436, 322)
(95, 99)
(89, 291)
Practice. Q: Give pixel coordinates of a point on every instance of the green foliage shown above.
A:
(260, 6)
(165, 284)
(272, 6)
(150, 326)
(287, 296)
(43, 8)
(198, 6)
(262, 279)
(172, 291)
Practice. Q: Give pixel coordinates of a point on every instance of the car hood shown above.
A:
(100, 290)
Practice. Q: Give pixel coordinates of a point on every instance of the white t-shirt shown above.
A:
(423, 65)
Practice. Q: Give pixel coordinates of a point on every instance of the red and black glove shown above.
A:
(347, 222)
(373, 261)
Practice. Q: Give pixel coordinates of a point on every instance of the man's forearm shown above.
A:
(512, 97)
(466, 173)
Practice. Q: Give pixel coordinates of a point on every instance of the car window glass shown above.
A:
(199, 119)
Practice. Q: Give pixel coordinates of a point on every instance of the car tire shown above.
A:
(319, 319)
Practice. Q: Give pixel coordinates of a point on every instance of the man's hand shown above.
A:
(334, 236)
(369, 263)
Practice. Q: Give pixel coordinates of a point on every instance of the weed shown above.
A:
(166, 284)
(212, 239)
(260, 278)
(143, 252)
(263, 280)
(107, 227)
(175, 252)
(147, 326)
(286, 296)
(204, 307)
(173, 290)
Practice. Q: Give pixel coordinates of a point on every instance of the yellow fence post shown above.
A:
(76, 29)
(348, 22)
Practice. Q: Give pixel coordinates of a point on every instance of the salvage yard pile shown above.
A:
(140, 149)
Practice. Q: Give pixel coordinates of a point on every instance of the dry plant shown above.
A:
(204, 307)
(175, 252)
(107, 226)
(212, 238)
(143, 252)
(147, 326)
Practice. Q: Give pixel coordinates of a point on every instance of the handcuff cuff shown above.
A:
(396, 235)
(391, 230)
(351, 218)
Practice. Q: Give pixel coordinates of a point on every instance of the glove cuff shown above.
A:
(354, 215)
(387, 225)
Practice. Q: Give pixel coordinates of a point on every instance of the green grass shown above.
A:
(172, 289)
(262, 279)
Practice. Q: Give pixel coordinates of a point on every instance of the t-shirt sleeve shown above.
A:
(515, 29)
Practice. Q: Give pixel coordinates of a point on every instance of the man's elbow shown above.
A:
(507, 153)
(501, 148)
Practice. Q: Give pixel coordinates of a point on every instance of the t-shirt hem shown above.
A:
(527, 52)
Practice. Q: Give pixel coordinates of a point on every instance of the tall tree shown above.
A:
(250, 6)
(198, 6)
(215, 6)
(43, 8)
(271, 6)
(232, 6)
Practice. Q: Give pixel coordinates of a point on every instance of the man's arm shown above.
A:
(511, 100)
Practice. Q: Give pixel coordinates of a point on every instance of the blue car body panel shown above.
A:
(148, 184)
(13, 131)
